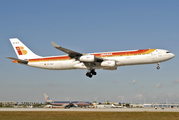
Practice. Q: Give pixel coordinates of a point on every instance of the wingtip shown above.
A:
(54, 44)
(8, 57)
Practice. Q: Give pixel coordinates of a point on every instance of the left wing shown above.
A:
(71, 53)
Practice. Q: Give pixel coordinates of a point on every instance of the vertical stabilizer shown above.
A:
(47, 98)
(21, 50)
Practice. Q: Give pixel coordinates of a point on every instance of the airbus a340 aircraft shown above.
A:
(90, 61)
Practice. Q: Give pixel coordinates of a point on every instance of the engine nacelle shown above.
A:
(87, 58)
(108, 64)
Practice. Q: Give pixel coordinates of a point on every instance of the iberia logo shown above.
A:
(21, 50)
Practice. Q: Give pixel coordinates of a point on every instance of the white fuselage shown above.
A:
(91, 61)
(121, 58)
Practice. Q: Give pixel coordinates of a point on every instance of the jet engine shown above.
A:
(87, 58)
(108, 64)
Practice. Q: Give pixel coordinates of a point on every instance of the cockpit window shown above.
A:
(167, 52)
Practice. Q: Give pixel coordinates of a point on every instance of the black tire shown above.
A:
(94, 73)
(158, 67)
(90, 76)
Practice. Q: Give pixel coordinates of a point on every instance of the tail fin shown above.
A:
(47, 98)
(21, 50)
(113, 105)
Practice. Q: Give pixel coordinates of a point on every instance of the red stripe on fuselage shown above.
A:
(121, 53)
(125, 53)
(50, 59)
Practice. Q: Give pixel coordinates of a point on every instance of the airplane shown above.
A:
(66, 104)
(114, 106)
(89, 61)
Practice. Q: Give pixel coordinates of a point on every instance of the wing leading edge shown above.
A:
(71, 53)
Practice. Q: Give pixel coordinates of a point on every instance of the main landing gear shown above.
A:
(158, 67)
(90, 73)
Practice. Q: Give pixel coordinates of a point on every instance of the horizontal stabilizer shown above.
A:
(18, 60)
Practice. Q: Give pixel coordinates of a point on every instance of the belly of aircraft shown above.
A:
(54, 65)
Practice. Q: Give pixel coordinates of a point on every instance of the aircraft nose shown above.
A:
(172, 55)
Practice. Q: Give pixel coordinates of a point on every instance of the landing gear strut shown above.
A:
(158, 67)
(90, 73)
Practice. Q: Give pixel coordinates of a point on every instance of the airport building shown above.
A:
(7, 103)
(161, 105)
(128, 105)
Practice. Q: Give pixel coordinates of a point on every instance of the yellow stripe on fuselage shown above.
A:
(100, 55)
(149, 51)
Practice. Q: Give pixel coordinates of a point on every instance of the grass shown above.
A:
(89, 115)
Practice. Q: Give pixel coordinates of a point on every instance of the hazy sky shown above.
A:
(90, 26)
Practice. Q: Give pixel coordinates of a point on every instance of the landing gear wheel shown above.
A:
(93, 72)
(158, 67)
(88, 75)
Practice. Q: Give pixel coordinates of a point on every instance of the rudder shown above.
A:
(47, 98)
(22, 51)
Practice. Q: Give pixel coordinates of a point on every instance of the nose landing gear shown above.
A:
(90, 73)
(158, 67)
